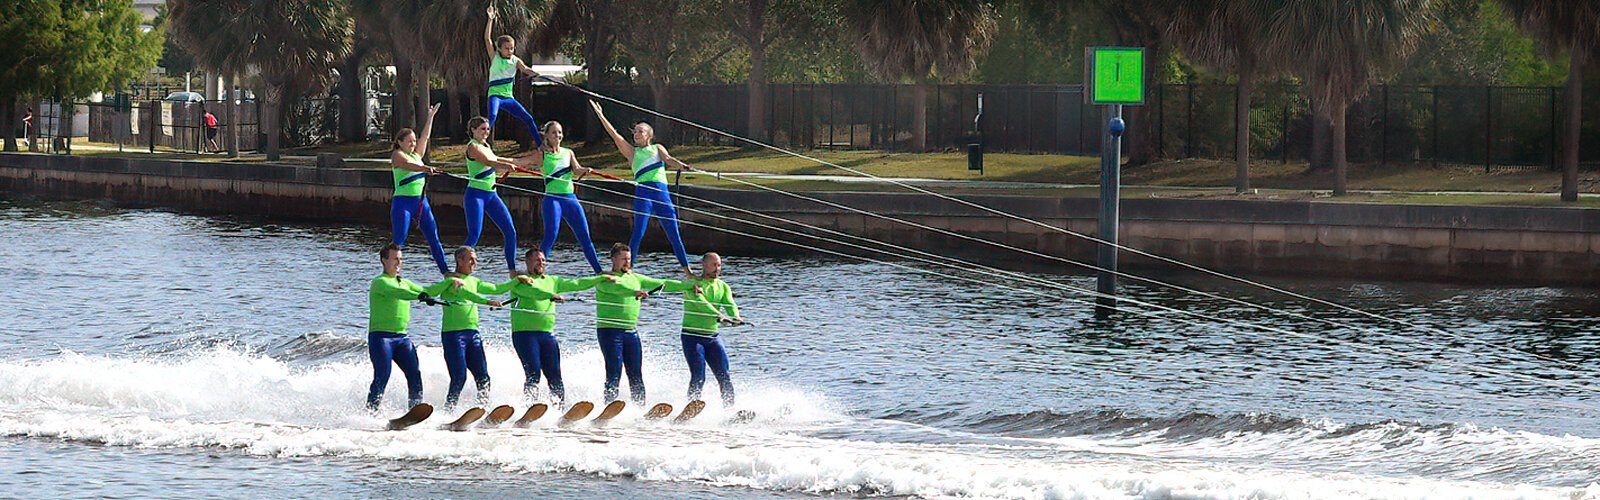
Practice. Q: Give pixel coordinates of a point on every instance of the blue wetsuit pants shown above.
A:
(463, 352)
(497, 103)
(404, 209)
(555, 208)
(477, 203)
(701, 351)
(622, 351)
(652, 199)
(540, 354)
(396, 348)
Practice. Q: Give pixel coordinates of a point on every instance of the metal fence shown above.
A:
(171, 126)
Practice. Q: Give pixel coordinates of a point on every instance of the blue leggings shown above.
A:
(621, 349)
(652, 199)
(496, 103)
(477, 202)
(386, 348)
(400, 216)
(540, 353)
(463, 351)
(700, 351)
(558, 207)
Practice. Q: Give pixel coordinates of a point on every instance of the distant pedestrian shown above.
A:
(27, 126)
(211, 132)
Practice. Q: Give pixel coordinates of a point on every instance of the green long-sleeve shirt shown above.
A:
(700, 311)
(388, 307)
(536, 297)
(615, 303)
(462, 313)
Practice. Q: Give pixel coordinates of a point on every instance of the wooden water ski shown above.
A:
(534, 412)
(466, 420)
(499, 415)
(690, 411)
(611, 410)
(577, 412)
(658, 411)
(417, 414)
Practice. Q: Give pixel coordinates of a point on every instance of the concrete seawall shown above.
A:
(1549, 246)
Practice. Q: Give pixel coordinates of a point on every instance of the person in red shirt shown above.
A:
(211, 132)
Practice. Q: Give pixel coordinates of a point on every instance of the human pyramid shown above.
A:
(531, 294)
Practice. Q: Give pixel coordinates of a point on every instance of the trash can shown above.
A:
(975, 156)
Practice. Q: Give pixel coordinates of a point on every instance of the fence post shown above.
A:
(1383, 130)
(1488, 128)
(155, 123)
(1435, 117)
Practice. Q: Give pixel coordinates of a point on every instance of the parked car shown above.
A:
(186, 97)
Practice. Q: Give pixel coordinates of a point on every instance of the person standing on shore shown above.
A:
(463, 345)
(410, 180)
(210, 121)
(617, 321)
(389, 312)
(481, 198)
(559, 203)
(533, 322)
(706, 304)
(503, 67)
(650, 195)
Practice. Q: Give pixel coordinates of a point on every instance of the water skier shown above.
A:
(463, 345)
(388, 315)
(650, 196)
(503, 67)
(559, 203)
(617, 321)
(533, 322)
(410, 180)
(707, 304)
(481, 198)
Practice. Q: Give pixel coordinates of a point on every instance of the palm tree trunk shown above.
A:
(1241, 128)
(352, 98)
(424, 98)
(1340, 167)
(1569, 144)
(919, 115)
(1321, 123)
(404, 95)
(756, 123)
(230, 116)
(274, 119)
(10, 124)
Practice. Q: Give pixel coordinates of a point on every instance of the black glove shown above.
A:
(424, 298)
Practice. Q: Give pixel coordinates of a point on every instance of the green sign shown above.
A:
(1117, 75)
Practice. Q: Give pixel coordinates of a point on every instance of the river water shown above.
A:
(151, 353)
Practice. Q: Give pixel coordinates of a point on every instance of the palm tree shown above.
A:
(291, 43)
(920, 40)
(1227, 35)
(1338, 47)
(1572, 26)
(586, 18)
(760, 23)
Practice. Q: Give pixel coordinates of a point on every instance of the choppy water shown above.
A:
(228, 357)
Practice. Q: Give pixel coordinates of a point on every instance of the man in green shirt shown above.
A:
(705, 305)
(389, 312)
(463, 346)
(617, 319)
(533, 322)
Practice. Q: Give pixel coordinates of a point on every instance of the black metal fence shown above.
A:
(167, 125)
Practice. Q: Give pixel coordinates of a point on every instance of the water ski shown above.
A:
(576, 412)
(690, 411)
(499, 415)
(658, 411)
(417, 414)
(534, 412)
(610, 412)
(465, 421)
(742, 417)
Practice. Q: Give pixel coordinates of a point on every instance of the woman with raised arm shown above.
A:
(410, 178)
(503, 67)
(650, 196)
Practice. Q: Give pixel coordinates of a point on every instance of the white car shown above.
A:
(186, 97)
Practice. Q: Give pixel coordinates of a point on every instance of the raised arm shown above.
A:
(623, 146)
(427, 133)
(488, 31)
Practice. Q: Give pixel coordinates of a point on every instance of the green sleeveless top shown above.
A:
(406, 182)
(502, 74)
(482, 175)
(557, 170)
(647, 165)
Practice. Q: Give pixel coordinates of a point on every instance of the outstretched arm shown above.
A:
(421, 150)
(668, 159)
(488, 31)
(525, 69)
(622, 144)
